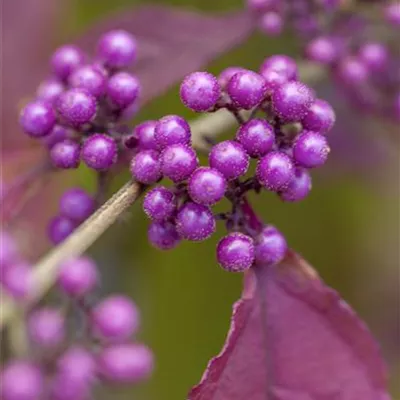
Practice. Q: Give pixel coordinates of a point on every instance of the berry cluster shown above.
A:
(285, 134)
(64, 361)
(365, 70)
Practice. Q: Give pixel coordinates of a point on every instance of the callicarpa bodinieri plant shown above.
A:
(291, 337)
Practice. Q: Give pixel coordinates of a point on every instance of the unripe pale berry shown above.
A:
(123, 89)
(146, 167)
(257, 137)
(178, 162)
(298, 188)
(77, 204)
(170, 130)
(246, 89)
(235, 252)
(229, 158)
(195, 222)
(270, 246)
(65, 154)
(37, 119)
(206, 186)
(159, 203)
(310, 149)
(59, 228)
(115, 318)
(275, 171)
(163, 235)
(320, 117)
(99, 152)
(200, 91)
(90, 78)
(66, 59)
(144, 133)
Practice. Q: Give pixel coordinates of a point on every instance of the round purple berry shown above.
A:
(37, 119)
(352, 72)
(99, 152)
(271, 23)
(200, 91)
(225, 76)
(273, 79)
(246, 89)
(310, 149)
(90, 78)
(257, 137)
(374, 55)
(206, 186)
(163, 235)
(77, 364)
(59, 228)
(21, 380)
(298, 188)
(195, 222)
(292, 100)
(275, 171)
(77, 204)
(229, 158)
(50, 90)
(235, 252)
(116, 318)
(159, 203)
(77, 276)
(123, 89)
(46, 327)
(17, 280)
(178, 162)
(270, 246)
(58, 134)
(66, 59)
(320, 117)
(285, 65)
(125, 363)
(145, 167)
(117, 49)
(170, 130)
(323, 50)
(66, 154)
(392, 13)
(76, 106)
(144, 133)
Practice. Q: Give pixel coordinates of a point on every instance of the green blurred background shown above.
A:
(347, 229)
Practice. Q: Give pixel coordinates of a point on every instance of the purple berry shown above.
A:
(323, 50)
(65, 154)
(59, 228)
(170, 130)
(46, 327)
(225, 76)
(58, 134)
(229, 158)
(125, 363)
(374, 55)
(99, 152)
(178, 162)
(144, 133)
(163, 235)
(392, 13)
(292, 101)
(17, 279)
(76, 106)
(66, 59)
(21, 380)
(159, 203)
(37, 119)
(206, 186)
(116, 318)
(298, 188)
(352, 72)
(320, 117)
(77, 276)
(123, 89)
(8, 249)
(195, 222)
(270, 246)
(257, 137)
(271, 24)
(50, 90)
(117, 49)
(90, 78)
(200, 91)
(145, 167)
(76, 204)
(77, 364)
(275, 171)
(285, 65)
(273, 79)
(62, 387)
(235, 252)
(310, 149)
(246, 89)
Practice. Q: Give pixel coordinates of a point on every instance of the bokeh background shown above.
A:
(348, 228)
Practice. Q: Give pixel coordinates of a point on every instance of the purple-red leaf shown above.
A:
(293, 338)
